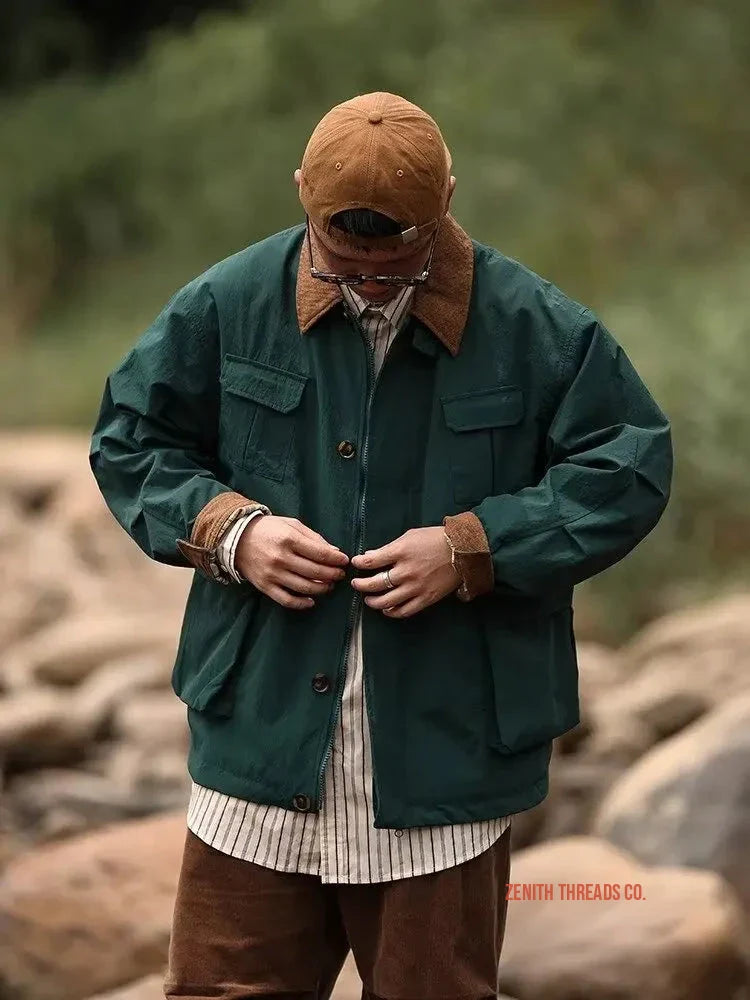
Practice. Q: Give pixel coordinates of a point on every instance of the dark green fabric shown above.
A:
(540, 425)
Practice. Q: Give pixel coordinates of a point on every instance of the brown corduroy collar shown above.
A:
(442, 304)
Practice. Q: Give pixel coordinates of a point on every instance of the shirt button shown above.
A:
(321, 683)
(399, 833)
(346, 449)
(301, 802)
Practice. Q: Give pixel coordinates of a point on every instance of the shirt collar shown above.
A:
(394, 310)
(441, 304)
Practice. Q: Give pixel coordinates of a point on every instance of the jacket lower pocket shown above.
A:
(534, 672)
(211, 653)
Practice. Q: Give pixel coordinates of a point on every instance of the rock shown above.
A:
(147, 988)
(723, 621)
(527, 826)
(617, 737)
(348, 985)
(57, 802)
(598, 674)
(599, 669)
(40, 594)
(68, 651)
(684, 940)
(158, 775)
(704, 649)
(37, 727)
(163, 779)
(113, 560)
(106, 689)
(577, 784)
(662, 702)
(91, 913)
(687, 802)
(154, 720)
(158, 779)
(34, 464)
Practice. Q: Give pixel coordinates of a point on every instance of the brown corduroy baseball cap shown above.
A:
(381, 152)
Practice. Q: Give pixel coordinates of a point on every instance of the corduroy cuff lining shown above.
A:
(209, 526)
(473, 557)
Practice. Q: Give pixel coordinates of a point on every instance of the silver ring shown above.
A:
(389, 583)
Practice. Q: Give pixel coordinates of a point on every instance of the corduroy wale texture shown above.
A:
(241, 929)
(504, 409)
(381, 152)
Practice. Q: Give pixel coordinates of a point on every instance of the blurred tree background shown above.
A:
(604, 144)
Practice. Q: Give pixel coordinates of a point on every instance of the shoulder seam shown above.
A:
(567, 349)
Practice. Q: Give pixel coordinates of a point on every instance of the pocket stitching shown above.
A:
(282, 391)
(514, 400)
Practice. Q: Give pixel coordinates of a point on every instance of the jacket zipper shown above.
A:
(373, 377)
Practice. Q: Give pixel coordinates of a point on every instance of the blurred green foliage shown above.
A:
(44, 39)
(605, 145)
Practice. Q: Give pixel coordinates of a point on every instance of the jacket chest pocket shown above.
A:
(259, 414)
(475, 421)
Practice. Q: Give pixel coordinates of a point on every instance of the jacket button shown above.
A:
(346, 449)
(301, 802)
(321, 683)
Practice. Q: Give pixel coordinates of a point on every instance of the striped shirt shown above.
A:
(340, 842)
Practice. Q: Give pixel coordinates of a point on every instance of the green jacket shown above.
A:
(504, 410)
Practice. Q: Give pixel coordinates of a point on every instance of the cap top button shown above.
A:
(374, 117)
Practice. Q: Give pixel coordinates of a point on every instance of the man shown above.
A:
(389, 452)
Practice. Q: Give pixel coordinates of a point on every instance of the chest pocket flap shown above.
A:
(499, 406)
(262, 383)
(259, 415)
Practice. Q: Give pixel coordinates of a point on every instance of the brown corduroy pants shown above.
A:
(243, 930)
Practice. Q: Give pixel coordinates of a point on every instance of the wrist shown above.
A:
(230, 543)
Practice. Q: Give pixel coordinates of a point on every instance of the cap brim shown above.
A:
(344, 245)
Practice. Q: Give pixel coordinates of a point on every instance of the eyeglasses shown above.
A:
(378, 279)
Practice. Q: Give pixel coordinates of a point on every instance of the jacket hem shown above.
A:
(216, 777)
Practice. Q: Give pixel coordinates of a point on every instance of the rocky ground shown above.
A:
(652, 789)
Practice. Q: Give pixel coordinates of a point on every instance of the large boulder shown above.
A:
(39, 726)
(61, 546)
(90, 913)
(704, 650)
(687, 802)
(68, 651)
(685, 938)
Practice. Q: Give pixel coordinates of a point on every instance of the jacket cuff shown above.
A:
(226, 547)
(209, 526)
(473, 559)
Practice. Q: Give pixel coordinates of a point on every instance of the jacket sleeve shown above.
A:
(153, 447)
(607, 482)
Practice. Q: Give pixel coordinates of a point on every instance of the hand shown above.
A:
(284, 558)
(419, 563)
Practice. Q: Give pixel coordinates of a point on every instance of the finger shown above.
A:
(390, 598)
(318, 550)
(375, 558)
(308, 532)
(375, 584)
(405, 610)
(301, 584)
(285, 599)
(313, 570)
